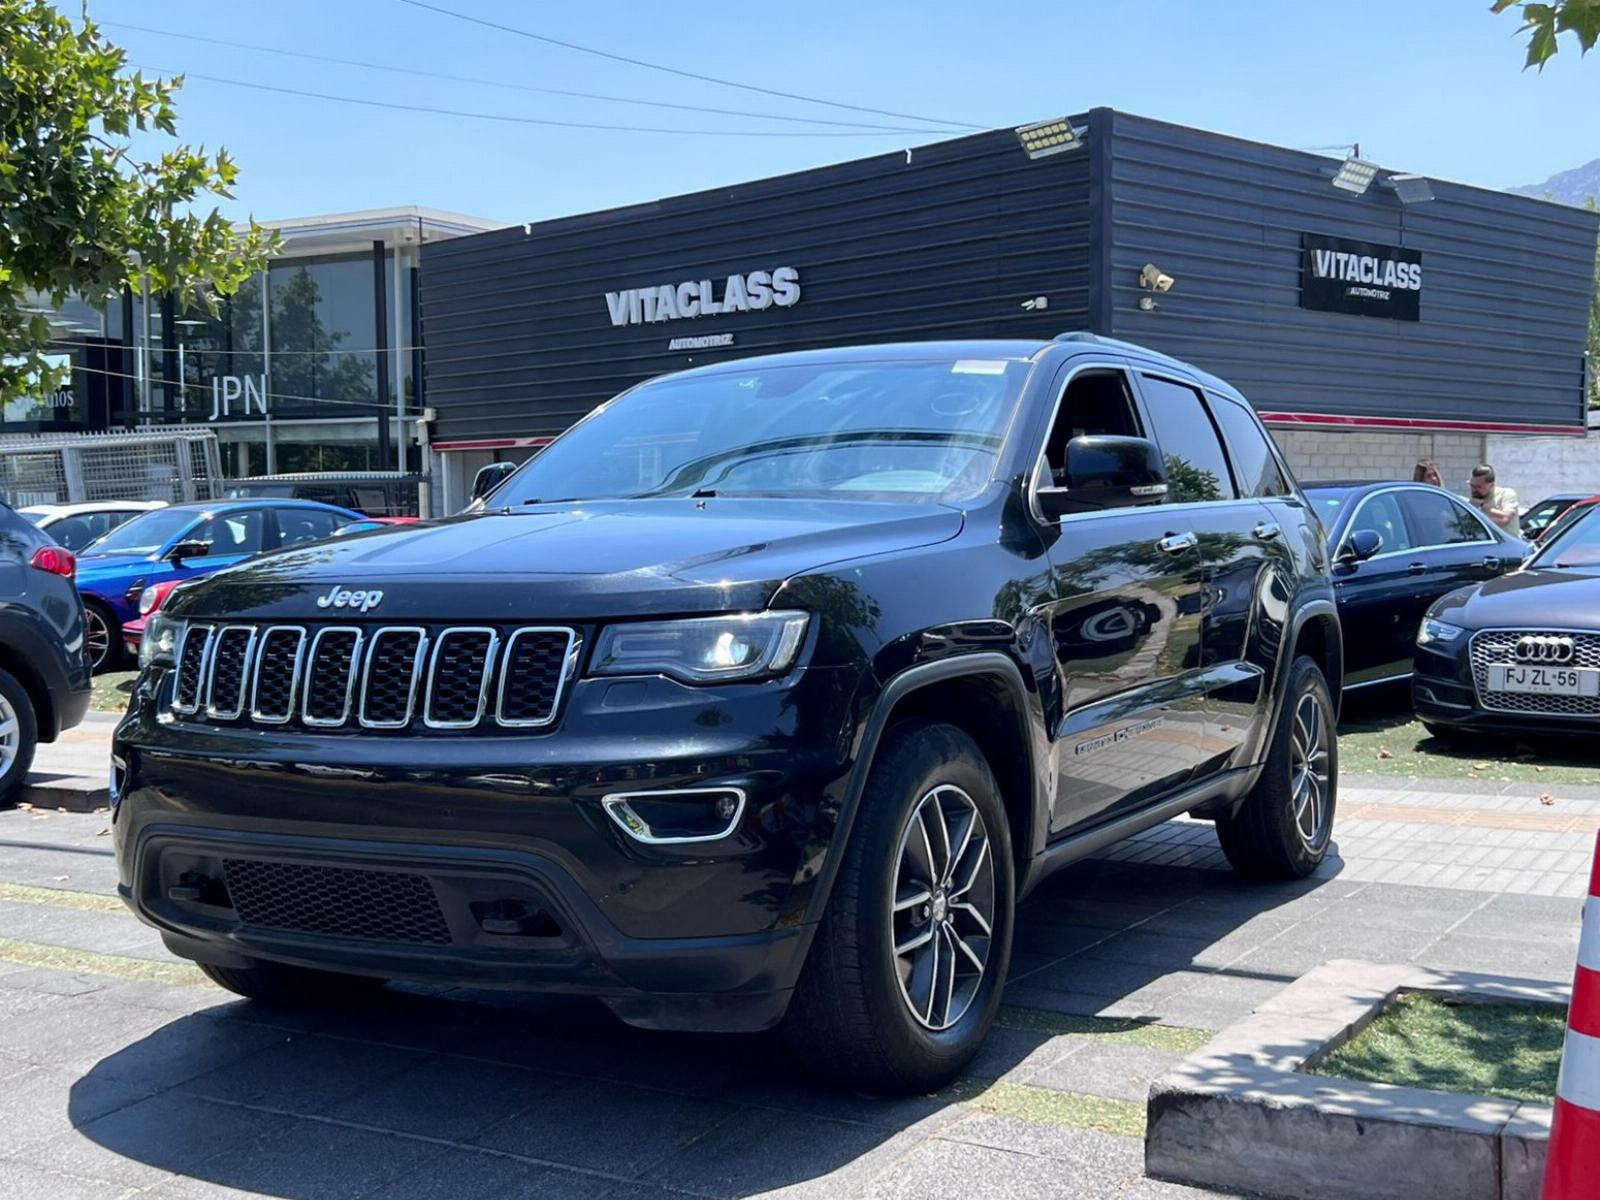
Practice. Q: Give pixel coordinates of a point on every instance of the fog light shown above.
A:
(674, 816)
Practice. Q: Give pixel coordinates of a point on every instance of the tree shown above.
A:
(80, 211)
(1544, 22)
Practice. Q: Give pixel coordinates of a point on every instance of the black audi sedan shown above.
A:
(1398, 547)
(1519, 654)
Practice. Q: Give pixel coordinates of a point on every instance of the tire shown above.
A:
(99, 621)
(278, 985)
(1271, 835)
(19, 736)
(852, 1017)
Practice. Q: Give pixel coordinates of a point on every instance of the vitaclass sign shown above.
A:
(1371, 280)
(754, 292)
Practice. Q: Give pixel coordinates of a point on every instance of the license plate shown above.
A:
(1545, 681)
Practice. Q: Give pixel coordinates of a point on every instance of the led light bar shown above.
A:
(1044, 138)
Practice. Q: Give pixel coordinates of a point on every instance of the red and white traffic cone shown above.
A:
(1572, 1169)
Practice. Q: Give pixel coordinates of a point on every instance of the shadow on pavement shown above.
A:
(434, 1093)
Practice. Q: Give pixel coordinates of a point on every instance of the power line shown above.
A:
(516, 120)
(519, 87)
(637, 62)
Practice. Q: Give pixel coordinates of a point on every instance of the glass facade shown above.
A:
(300, 342)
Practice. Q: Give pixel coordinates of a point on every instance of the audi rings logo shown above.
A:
(1538, 648)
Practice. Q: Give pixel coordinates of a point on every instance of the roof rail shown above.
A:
(1083, 335)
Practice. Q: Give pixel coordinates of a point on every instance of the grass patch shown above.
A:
(22, 893)
(1175, 1038)
(1074, 1110)
(1379, 735)
(88, 962)
(112, 691)
(1508, 1050)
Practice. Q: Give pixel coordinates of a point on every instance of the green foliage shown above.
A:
(1594, 323)
(1544, 22)
(81, 211)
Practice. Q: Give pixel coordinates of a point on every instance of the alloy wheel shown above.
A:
(10, 737)
(96, 638)
(942, 922)
(1310, 782)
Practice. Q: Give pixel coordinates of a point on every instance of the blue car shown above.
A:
(182, 542)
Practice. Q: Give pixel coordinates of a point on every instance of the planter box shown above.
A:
(1240, 1114)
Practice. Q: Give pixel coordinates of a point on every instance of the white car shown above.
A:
(76, 525)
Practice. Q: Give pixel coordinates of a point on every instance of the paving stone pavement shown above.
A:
(122, 1073)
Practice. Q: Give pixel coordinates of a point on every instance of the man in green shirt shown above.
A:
(1499, 504)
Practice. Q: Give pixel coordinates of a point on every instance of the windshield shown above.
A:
(925, 430)
(146, 533)
(1327, 503)
(1575, 543)
(1542, 514)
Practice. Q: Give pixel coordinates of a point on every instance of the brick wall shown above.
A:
(1540, 466)
(1360, 454)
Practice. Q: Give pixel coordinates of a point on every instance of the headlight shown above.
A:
(159, 646)
(147, 601)
(703, 649)
(1437, 631)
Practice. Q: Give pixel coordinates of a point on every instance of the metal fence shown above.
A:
(69, 468)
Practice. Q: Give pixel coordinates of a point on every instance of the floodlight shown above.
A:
(1355, 175)
(1044, 138)
(1410, 189)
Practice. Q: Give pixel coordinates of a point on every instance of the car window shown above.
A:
(78, 531)
(1197, 467)
(1437, 520)
(1542, 514)
(238, 532)
(307, 525)
(1575, 542)
(1255, 466)
(1381, 514)
(1095, 402)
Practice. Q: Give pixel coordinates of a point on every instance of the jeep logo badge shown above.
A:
(1541, 649)
(341, 597)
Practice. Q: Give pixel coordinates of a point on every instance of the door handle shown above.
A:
(1416, 568)
(1177, 543)
(1492, 565)
(1266, 531)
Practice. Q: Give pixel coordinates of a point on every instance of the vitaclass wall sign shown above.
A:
(753, 292)
(1365, 278)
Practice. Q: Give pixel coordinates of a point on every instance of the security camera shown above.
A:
(1155, 279)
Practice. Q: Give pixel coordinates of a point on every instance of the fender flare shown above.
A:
(910, 680)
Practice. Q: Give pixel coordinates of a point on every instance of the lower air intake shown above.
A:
(374, 906)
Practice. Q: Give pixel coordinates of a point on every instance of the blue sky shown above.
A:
(1434, 86)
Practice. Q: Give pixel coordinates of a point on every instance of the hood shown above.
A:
(1543, 598)
(574, 561)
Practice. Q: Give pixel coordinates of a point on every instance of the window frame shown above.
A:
(1040, 466)
(1212, 397)
(1199, 391)
(1496, 537)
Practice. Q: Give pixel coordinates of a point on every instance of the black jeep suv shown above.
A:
(759, 698)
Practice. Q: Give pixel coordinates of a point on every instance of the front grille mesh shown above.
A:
(391, 678)
(377, 906)
(1494, 646)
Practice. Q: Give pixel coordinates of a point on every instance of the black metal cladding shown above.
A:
(946, 240)
(951, 240)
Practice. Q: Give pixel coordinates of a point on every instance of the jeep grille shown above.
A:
(391, 677)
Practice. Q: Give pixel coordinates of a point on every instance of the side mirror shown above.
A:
(185, 550)
(490, 477)
(1105, 471)
(1361, 545)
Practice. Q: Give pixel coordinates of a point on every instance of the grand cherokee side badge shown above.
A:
(341, 597)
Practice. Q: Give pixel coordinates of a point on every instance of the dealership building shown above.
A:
(1372, 317)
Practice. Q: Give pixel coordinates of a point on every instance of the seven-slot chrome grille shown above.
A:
(1493, 646)
(384, 677)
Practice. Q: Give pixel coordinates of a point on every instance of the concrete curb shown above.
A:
(72, 793)
(1239, 1114)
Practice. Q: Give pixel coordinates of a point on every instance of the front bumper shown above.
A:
(502, 841)
(1443, 693)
